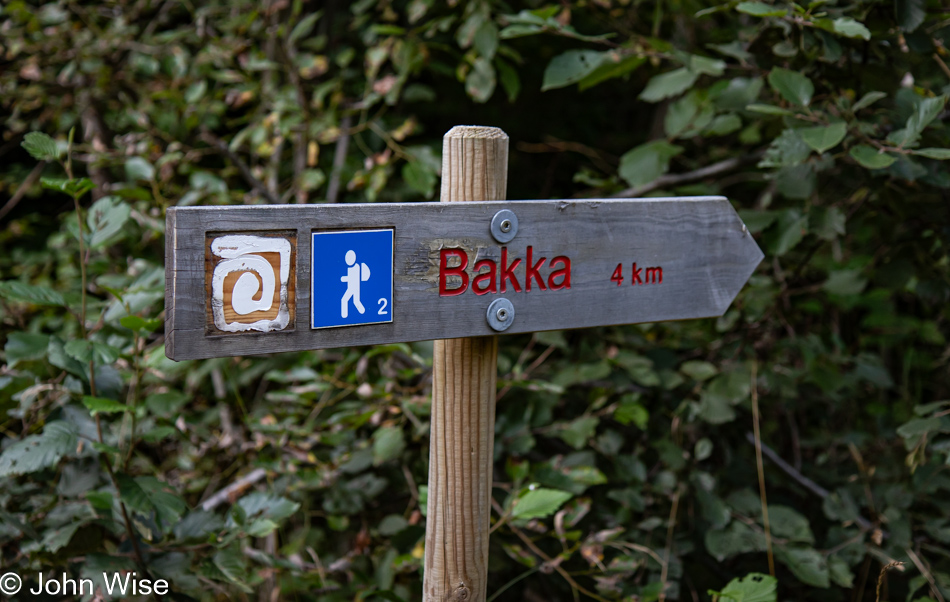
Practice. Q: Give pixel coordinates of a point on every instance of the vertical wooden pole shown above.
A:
(474, 168)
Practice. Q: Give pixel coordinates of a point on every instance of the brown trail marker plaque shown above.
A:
(271, 278)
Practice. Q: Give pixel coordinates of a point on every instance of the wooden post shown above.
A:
(474, 168)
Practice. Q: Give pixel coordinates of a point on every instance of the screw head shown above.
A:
(501, 314)
(504, 225)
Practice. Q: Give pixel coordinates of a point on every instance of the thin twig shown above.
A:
(805, 482)
(761, 470)
(241, 484)
(24, 186)
(664, 571)
(224, 149)
(524, 375)
(339, 159)
(943, 65)
(926, 573)
(690, 176)
(548, 560)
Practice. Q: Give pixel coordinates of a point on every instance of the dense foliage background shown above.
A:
(625, 467)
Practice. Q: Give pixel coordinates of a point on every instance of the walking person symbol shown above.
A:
(355, 273)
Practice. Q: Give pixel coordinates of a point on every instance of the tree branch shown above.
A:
(24, 186)
(805, 482)
(234, 489)
(690, 176)
(339, 158)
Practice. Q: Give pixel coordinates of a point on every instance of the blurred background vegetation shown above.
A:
(302, 476)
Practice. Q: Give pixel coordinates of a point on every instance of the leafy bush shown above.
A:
(624, 467)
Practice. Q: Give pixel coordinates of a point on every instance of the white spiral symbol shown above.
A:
(10, 584)
(242, 254)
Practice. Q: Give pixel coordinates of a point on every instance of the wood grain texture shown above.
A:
(462, 430)
(705, 251)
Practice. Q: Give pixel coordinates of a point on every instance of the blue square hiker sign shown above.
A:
(351, 278)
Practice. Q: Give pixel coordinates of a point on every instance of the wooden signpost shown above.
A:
(271, 278)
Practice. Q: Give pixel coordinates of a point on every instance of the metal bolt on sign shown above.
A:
(501, 314)
(504, 226)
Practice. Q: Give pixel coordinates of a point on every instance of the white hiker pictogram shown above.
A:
(356, 273)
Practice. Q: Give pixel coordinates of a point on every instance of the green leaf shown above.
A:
(579, 431)
(539, 503)
(392, 524)
(666, 85)
(723, 125)
(267, 505)
(99, 405)
(647, 162)
(106, 219)
(870, 157)
(807, 564)
(571, 67)
(140, 323)
(934, 153)
(845, 282)
(840, 572)
(303, 28)
(698, 370)
(41, 146)
(867, 100)
(139, 169)
(197, 525)
(25, 346)
(388, 443)
(754, 587)
(56, 539)
(486, 39)
(681, 114)
(581, 373)
(480, 83)
(703, 449)
(261, 527)
(910, 13)
(420, 177)
(849, 28)
(792, 85)
(233, 565)
(926, 111)
(76, 187)
(146, 495)
(613, 65)
(920, 426)
(760, 9)
(768, 109)
(84, 351)
(36, 452)
(738, 538)
(823, 138)
(792, 226)
(790, 524)
(787, 150)
(509, 78)
(15, 290)
(167, 403)
(631, 411)
(704, 65)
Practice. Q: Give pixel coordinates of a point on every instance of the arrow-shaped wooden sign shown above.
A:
(272, 278)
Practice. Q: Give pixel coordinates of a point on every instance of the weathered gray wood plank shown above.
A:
(704, 250)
